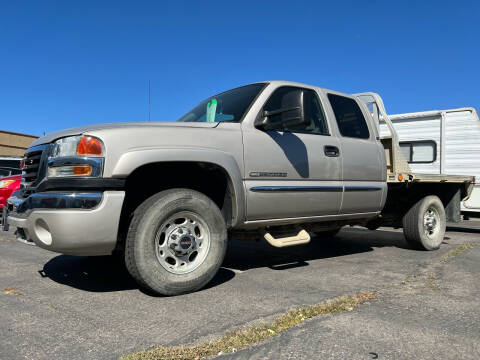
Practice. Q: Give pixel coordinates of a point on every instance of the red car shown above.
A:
(8, 185)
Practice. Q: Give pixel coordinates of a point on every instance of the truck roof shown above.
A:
(299, 84)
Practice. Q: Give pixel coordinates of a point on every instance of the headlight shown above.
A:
(5, 183)
(76, 156)
(77, 145)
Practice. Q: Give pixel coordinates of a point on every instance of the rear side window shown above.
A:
(350, 120)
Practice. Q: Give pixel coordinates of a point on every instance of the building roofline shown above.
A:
(20, 134)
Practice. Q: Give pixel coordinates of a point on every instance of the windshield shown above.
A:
(227, 106)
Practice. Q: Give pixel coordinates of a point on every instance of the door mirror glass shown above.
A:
(284, 109)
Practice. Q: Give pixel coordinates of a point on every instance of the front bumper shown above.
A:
(69, 223)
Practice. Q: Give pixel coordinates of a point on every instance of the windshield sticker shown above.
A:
(211, 109)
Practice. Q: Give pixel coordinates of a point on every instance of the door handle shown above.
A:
(331, 151)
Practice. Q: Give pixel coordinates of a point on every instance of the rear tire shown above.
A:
(176, 242)
(425, 223)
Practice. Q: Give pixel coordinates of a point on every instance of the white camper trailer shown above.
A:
(442, 142)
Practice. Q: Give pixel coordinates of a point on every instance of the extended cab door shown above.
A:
(364, 169)
(291, 172)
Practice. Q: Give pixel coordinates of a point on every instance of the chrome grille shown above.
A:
(32, 168)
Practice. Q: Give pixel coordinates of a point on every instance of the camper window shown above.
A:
(419, 152)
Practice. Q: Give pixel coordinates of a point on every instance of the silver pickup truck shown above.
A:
(275, 160)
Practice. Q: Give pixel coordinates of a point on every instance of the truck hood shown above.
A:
(85, 129)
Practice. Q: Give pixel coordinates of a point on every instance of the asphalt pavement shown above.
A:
(57, 306)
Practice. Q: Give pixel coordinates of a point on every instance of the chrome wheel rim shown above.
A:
(182, 242)
(431, 221)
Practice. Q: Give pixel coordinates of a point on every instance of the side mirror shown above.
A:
(290, 114)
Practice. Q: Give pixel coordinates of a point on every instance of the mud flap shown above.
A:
(452, 208)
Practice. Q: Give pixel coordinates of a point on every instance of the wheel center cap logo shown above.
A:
(185, 242)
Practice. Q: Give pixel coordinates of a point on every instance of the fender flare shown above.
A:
(134, 159)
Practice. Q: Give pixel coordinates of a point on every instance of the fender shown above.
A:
(133, 159)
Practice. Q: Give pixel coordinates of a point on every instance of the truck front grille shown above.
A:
(34, 166)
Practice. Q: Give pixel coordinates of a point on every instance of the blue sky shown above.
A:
(66, 63)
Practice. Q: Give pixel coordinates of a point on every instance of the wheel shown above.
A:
(328, 234)
(425, 223)
(176, 242)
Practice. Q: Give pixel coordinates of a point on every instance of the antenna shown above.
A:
(148, 100)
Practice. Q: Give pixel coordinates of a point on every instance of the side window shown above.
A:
(311, 106)
(419, 152)
(350, 120)
(406, 149)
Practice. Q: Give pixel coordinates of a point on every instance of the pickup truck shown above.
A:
(276, 160)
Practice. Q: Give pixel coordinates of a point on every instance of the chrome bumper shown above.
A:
(68, 223)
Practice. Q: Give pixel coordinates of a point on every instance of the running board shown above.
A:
(301, 238)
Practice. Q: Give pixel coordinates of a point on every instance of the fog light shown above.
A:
(43, 232)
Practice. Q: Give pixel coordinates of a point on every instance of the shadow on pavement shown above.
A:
(108, 273)
(96, 273)
(103, 274)
(463, 229)
(465, 226)
(244, 255)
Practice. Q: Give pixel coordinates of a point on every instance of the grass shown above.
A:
(12, 291)
(457, 251)
(239, 339)
(6, 238)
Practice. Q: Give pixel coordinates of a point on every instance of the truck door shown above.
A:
(364, 172)
(295, 172)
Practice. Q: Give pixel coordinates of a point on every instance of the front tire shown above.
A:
(425, 223)
(176, 242)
